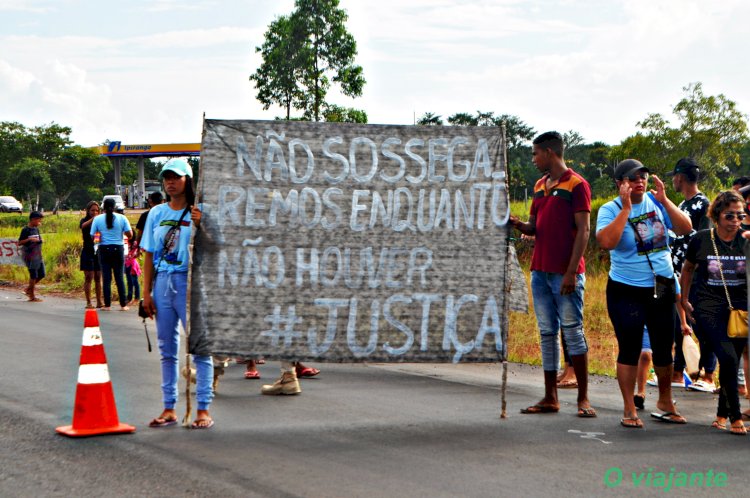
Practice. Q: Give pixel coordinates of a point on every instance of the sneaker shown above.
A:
(287, 384)
(652, 381)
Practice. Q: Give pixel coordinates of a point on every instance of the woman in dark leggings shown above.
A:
(706, 297)
(631, 300)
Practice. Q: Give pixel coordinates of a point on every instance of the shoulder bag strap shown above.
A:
(721, 270)
(168, 239)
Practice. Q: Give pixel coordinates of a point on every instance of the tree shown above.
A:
(304, 54)
(711, 131)
(430, 119)
(28, 179)
(77, 167)
(337, 114)
(15, 144)
(277, 78)
(463, 119)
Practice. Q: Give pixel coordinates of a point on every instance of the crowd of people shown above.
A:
(674, 271)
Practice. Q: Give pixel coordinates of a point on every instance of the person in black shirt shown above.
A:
(89, 260)
(707, 299)
(685, 178)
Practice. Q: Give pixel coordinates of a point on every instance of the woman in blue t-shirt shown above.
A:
(112, 227)
(715, 271)
(625, 226)
(166, 242)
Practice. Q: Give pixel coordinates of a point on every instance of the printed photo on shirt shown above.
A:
(733, 268)
(651, 233)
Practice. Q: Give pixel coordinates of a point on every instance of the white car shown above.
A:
(9, 204)
(119, 203)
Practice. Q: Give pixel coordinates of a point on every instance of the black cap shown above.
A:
(628, 167)
(686, 166)
(35, 214)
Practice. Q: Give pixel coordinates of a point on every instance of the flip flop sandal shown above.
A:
(669, 417)
(252, 375)
(162, 422)
(586, 412)
(631, 422)
(722, 426)
(738, 431)
(534, 409)
(202, 423)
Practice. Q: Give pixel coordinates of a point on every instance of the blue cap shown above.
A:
(178, 166)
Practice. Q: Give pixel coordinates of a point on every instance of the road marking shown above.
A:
(590, 435)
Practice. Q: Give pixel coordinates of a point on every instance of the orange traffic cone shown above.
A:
(95, 411)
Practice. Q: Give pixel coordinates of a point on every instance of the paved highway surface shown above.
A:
(357, 430)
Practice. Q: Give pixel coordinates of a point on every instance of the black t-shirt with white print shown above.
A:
(696, 208)
(707, 290)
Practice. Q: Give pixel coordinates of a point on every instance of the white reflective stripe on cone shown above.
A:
(93, 374)
(92, 336)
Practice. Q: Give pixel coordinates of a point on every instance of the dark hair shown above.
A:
(155, 197)
(551, 140)
(722, 201)
(741, 181)
(189, 192)
(109, 208)
(88, 206)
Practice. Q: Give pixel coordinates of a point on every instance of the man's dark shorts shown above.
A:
(37, 271)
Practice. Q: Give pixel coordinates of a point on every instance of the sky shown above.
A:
(148, 71)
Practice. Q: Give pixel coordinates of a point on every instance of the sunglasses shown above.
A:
(637, 176)
(730, 216)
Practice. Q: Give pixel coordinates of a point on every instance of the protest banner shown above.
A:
(342, 242)
(10, 253)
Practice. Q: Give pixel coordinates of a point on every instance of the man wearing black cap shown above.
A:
(685, 178)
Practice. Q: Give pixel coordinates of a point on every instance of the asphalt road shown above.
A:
(357, 430)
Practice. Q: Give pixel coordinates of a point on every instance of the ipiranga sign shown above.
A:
(340, 242)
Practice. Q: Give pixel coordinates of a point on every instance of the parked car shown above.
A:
(119, 203)
(9, 204)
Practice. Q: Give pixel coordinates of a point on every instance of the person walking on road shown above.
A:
(707, 300)
(559, 218)
(166, 242)
(112, 227)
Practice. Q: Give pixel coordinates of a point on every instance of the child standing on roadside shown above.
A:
(31, 242)
(132, 272)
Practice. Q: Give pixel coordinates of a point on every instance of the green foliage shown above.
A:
(76, 167)
(337, 114)
(28, 178)
(430, 119)
(303, 55)
(710, 130)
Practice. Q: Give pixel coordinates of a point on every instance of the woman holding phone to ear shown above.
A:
(166, 242)
(625, 227)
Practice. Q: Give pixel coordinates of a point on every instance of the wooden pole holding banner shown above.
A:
(506, 286)
(197, 188)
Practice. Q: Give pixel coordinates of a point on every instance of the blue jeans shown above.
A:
(133, 285)
(170, 299)
(555, 311)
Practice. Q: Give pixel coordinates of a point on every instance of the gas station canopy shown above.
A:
(117, 149)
